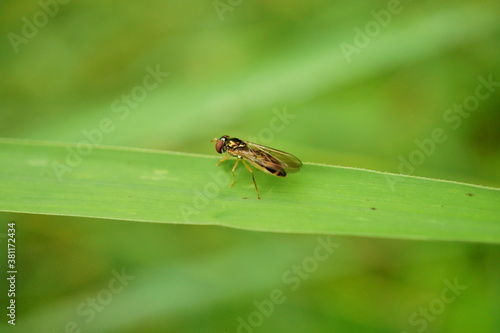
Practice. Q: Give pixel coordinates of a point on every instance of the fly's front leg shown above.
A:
(225, 158)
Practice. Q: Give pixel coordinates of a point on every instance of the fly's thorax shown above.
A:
(234, 146)
(235, 143)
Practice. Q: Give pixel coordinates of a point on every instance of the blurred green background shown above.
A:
(232, 67)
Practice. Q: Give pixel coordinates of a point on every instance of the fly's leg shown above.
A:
(225, 158)
(253, 178)
(232, 171)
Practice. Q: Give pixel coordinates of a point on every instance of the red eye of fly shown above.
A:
(219, 146)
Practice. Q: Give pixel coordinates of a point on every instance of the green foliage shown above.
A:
(152, 186)
(146, 79)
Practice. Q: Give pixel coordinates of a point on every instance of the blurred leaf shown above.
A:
(312, 65)
(167, 187)
(180, 287)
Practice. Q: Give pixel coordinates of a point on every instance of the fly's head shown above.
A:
(225, 143)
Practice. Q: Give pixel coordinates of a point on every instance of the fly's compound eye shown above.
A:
(219, 146)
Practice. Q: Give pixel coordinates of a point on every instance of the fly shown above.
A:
(272, 161)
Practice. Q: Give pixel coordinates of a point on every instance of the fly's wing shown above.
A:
(270, 160)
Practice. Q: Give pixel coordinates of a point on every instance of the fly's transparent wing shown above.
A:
(270, 160)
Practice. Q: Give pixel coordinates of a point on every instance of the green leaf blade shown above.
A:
(165, 187)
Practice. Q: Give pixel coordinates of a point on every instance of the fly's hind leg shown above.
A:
(253, 178)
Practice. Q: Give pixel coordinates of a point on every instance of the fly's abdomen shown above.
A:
(276, 172)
